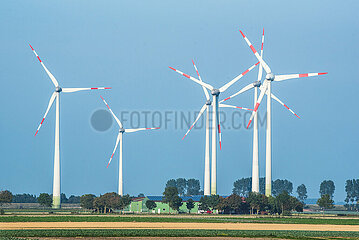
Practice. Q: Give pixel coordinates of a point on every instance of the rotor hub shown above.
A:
(257, 84)
(58, 89)
(215, 92)
(270, 77)
(209, 102)
(122, 130)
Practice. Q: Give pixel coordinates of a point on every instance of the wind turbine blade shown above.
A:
(114, 116)
(204, 89)
(232, 106)
(264, 64)
(246, 88)
(53, 79)
(52, 98)
(261, 95)
(291, 76)
(198, 117)
(70, 90)
(260, 72)
(219, 126)
(139, 129)
(194, 79)
(226, 86)
(277, 99)
(114, 150)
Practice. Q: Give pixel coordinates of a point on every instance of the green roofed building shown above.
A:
(138, 205)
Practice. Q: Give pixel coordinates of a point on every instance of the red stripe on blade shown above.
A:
(39, 58)
(36, 132)
(322, 73)
(187, 76)
(226, 99)
(245, 72)
(94, 88)
(219, 128)
(107, 87)
(286, 106)
(253, 49)
(249, 124)
(256, 107)
(303, 75)
(242, 33)
(31, 47)
(172, 68)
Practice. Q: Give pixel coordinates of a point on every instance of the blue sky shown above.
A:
(129, 46)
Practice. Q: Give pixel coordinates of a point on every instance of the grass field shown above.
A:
(195, 219)
(178, 233)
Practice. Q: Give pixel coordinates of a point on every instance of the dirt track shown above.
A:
(164, 225)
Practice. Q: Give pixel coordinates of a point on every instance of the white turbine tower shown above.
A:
(120, 140)
(256, 85)
(215, 121)
(56, 202)
(206, 107)
(266, 89)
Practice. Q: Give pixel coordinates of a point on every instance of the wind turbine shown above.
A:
(206, 107)
(266, 89)
(120, 140)
(256, 85)
(56, 202)
(215, 121)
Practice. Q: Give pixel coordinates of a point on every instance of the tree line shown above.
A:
(185, 187)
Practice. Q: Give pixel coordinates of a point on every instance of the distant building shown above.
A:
(138, 205)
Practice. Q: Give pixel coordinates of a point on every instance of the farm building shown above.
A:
(139, 204)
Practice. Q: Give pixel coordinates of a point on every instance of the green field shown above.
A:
(195, 219)
(178, 233)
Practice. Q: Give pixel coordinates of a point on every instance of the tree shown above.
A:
(190, 205)
(151, 204)
(262, 185)
(280, 186)
(45, 200)
(63, 198)
(286, 204)
(257, 202)
(325, 202)
(5, 197)
(171, 183)
(24, 198)
(193, 187)
(233, 204)
(124, 202)
(327, 187)
(87, 200)
(302, 192)
(203, 203)
(181, 186)
(242, 187)
(74, 199)
(99, 204)
(141, 195)
(171, 197)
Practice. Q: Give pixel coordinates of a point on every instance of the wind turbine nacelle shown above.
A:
(215, 92)
(208, 102)
(122, 130)
(257, 84)
(58, 89)
(270, 76)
